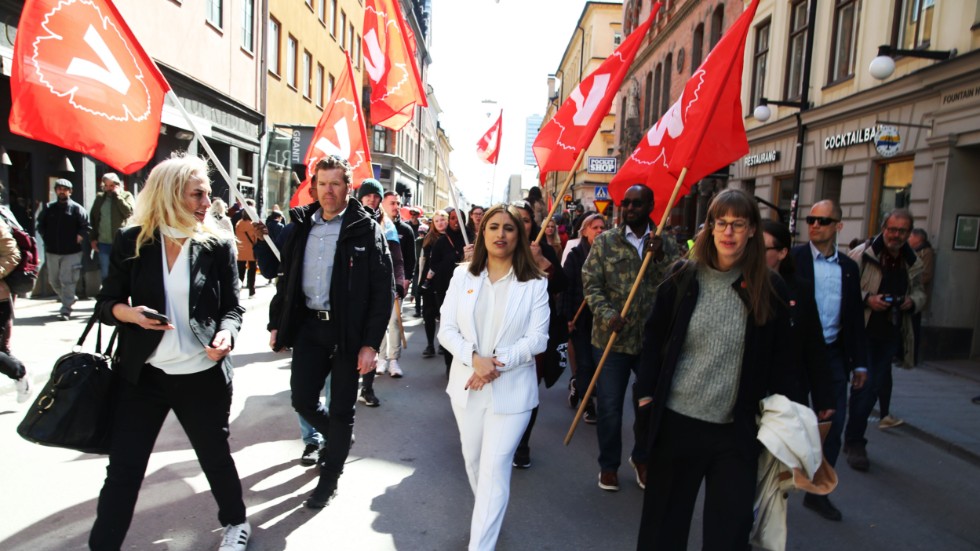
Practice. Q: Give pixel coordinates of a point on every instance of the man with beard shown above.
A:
(63, 225)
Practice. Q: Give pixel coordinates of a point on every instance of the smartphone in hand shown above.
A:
(164, 320)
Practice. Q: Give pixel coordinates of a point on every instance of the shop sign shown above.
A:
(602, 165)
(855, 137)
(962, 94)
(761, 158)
(889, 141)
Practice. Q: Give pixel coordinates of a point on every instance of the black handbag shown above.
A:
(74, 410)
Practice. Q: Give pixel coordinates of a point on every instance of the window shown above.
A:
(332, 25)
(343, 29)
(783, 194)
(697, 49)
(291, 46)
(760, 63)
(351, 35)
(275, 46)
(717, 25)
(380, 139)
(330, 83)
(647, 101)
(357, 58)
(913, 23)
(214, 12)
(844, 40)
(668, 69)
(798, 27)
(248, 21)
(893, 190)
(617, 39)
(307, 74)
(321, 10)
(309, 4)
(829, 181)
(657, 86)
(319, 85)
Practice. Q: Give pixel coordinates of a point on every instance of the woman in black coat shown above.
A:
(446, 254)
(179, 275)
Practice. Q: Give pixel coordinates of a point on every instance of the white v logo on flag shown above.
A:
(586, 106)
(109, 73)
(670, 123)
(374, 58)
(342, 148)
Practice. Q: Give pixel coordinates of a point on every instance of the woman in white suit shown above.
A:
(494, 320)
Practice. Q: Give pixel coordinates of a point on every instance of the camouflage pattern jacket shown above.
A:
(608, 276)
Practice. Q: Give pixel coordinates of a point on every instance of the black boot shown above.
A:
(325, 489)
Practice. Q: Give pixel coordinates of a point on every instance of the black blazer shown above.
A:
(851, 335)
(811, 352)
(139, 281)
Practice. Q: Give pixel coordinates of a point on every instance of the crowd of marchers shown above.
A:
(716, 324)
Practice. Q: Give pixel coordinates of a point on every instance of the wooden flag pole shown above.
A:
(581, 307)
(564, 188)
(401, 325)
(626, 308)
(459, 213)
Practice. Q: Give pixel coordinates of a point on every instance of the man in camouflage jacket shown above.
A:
(607, 277)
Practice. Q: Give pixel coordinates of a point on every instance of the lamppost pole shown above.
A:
(804, 104)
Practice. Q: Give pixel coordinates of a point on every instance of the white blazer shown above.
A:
(523, 334)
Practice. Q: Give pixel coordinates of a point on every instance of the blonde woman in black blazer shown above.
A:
(171, 262)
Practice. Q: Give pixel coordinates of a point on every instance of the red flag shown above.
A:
(389, 59)
(80, 80)
(703, 131)
(488, 148)
(340, 132)
(575, 123)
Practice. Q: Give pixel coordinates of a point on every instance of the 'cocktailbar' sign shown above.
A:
(855, 137)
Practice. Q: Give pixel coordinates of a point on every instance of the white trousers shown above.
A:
(489, 441)
(391, 344)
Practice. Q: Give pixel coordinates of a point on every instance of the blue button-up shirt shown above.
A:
(318, 260)
(828, 286)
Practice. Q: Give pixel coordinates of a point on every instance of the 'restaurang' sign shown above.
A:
(761, 158)
(855, 137)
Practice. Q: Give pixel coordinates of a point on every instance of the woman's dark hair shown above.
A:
(526, 207)
(525, 269)
(755, 273)
(782, 240)
(469, 217)
(534, 194)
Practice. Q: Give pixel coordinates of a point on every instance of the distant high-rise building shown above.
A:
(531, 128)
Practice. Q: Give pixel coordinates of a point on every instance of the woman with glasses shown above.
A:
(494, 321)
(473, 220)
(714, 345)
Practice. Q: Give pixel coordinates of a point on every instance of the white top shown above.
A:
(492, 299)
(637, 240)
(179, 351)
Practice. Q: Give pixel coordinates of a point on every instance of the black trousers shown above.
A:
(247, 267)
(686, 452)
(202, 404)
(314, 357)
(430, 311)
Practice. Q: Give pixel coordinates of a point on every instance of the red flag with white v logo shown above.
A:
(80, 80)
(340, 132)
(703, 131)
(488, 148)
(577, 120)
(389, 59)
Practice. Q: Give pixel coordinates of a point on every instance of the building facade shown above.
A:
(596, 35)
(911, 140)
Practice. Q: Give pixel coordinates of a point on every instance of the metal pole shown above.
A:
(800, 127)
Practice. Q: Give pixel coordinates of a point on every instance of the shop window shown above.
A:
(798, 27)
(913, 23)
(760, 62)
(783, 195)
(829, 182)
(844, 40)
(893, 190)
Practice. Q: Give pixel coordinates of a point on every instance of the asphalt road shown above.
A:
(404, 485)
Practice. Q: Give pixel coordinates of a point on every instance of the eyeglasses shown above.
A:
(822, 220)
(897, 231)
(625, 203)
(738, 226)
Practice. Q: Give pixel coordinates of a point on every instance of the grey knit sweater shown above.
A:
(706, 379)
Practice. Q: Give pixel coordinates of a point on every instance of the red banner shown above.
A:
(389, 60)
(488, 148)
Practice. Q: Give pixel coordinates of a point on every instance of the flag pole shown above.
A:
(232, 185)
(626, 307)
(564, 188)
(462, 225)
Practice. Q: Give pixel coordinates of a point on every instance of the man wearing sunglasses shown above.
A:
(837, 290)
(891, 285)
(607, 277)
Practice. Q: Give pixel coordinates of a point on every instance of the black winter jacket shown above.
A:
(61, 224)
(361, 286)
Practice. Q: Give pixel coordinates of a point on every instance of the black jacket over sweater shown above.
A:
(766, 362)
(61, 224)
(811, 351)
(446, 253)
(573, 296)
(361, 286)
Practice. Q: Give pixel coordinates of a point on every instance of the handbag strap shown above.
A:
(98, 337)
(88, 327)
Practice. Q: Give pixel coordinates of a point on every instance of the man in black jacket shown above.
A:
(64, 226)
(837, 289)
(332, 305)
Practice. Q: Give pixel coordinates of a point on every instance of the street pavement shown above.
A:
(404, 486)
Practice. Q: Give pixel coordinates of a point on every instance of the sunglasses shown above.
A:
(822, 220)
(625, 203)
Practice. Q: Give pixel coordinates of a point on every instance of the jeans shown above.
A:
(610, 393)
(307, 432)
(880, 352)
(584, 362)
(104, 250)
(202, 404)
(838, 376)
(63, 273)
(314, 358)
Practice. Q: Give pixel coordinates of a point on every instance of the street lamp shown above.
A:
(883, 65)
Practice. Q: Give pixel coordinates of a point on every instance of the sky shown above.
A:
(501, 51)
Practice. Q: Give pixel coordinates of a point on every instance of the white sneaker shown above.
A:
(394, 370)
(24, 389)
(382, 367)
(236, 537)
